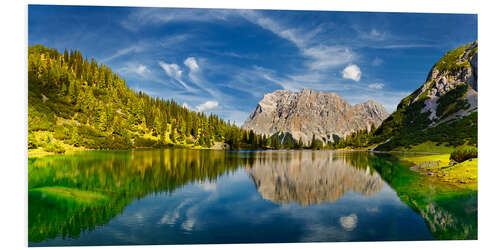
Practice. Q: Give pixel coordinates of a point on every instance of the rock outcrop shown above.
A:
(307, 113)
(456, 68)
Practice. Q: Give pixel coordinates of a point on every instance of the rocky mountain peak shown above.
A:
(308, 112)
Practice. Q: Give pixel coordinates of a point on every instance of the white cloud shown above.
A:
(173, 70)
(208, 105)
(352, 72)
(190, 62)
(376, 85)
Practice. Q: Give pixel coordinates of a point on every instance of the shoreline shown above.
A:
(40, 152)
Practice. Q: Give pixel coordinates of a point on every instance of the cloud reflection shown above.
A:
(349, 222)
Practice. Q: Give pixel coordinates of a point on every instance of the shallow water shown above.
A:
(179, 196)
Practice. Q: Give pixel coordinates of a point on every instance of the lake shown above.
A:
(182, 196)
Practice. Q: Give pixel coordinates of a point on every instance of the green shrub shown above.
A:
(144, 142)
(32, 141)
(54, 147)
(461, 155)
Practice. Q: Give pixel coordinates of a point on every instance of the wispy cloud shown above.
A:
(155, 16)
(407, 46)
(122, 52)
(373, 34)
(322, 56)
(173, 70)
(191, 63)
(196, 77)
(376, 85)
(135, 68)
(231, 54)
(173, 41)
(325, 57)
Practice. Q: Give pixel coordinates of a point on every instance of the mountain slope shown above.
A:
(307, 113)
(441, 111)
(75, 104)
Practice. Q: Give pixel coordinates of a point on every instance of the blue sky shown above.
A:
(223, 61)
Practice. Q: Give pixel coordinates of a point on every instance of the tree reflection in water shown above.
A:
(305, 177)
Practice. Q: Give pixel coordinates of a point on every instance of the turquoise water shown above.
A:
(180, 196)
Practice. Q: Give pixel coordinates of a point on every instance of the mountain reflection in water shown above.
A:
(310, 177)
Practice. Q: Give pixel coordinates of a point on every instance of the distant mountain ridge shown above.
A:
(307, 112)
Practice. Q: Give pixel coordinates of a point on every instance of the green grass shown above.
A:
(64, 196)
(428, 146)
(449, 60)
(463, 174)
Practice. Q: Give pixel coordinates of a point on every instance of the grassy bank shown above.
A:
(462, 174)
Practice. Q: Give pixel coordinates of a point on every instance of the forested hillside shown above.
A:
(75, 103)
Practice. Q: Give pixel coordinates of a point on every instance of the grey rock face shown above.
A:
(307, 113)
(439, 83)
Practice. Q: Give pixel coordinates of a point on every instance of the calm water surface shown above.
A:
(178, 196)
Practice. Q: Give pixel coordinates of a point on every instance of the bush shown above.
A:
(461, 155)
(55, 147)
(32, 141)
